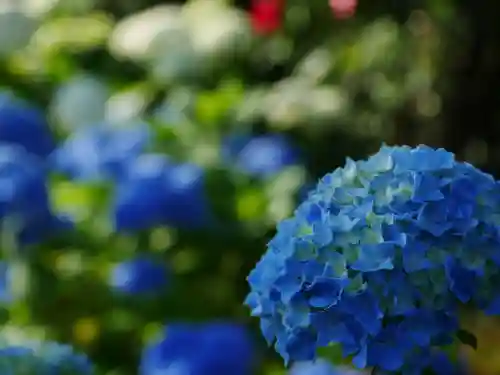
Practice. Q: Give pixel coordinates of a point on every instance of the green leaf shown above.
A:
(222, 194)
(332, 353)
(213, 107)
(66, 32)
(467, 338)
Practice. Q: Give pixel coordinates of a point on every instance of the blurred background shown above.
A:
(173, 136)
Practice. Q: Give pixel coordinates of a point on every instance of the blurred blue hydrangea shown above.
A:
(142, 275)
(24, 201)
(260, 156)
(25, 126)
(187, 203)
(45, 226)
(42, 358)
(200, 349)
(101, 152)
(158, 191)
(378, 258)
(138, 199)
(5, 290)
(320, 367)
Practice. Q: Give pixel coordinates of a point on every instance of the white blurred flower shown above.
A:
(158, 37)
(216, 28)
(315, 65)
(17, 26)
(296, 101)
(14, 335)
(177, 42)
(127, 105)
(285, 104)
(251, 106)
(38, 8)
(80, 101)
(172, 57)
(33, 8)
(326, 102)
(132, 37)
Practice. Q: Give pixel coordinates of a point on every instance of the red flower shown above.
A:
(266, 15)
(343, 9)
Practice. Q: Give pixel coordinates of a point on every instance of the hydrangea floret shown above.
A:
(379, 258)
(42, 358)
(216, 348)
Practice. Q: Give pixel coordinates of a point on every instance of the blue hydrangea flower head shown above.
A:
(141, 275)
(320, 367)
(304, 191)
(24, 125)
(138, 200)
(157, 191)
(200, 349)
(260, 156)
(378, 258)
(24, 199)
(23, 182)
(187, 202)
(5, 290)
(101, 152)
(42, 358)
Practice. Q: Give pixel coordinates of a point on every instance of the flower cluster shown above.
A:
(343, 9)
(261, 156)
(156, 191)
(142, 275)
(204, 349)
(24, 200)
(267, 15)
(25, 126)
(320, 367)
(99, 152)
(148, 189)
(42, 358)
(379, 258)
